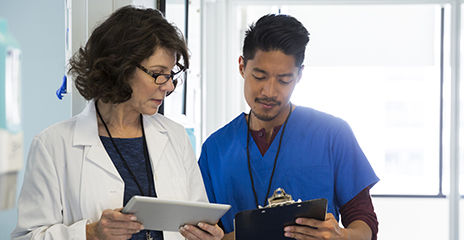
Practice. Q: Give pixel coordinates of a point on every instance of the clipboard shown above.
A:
(269, 222)
(169, 215)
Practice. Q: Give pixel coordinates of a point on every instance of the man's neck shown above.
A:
(257, 124)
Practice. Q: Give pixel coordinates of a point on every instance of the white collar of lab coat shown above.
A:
(86, 133)
(86, 130)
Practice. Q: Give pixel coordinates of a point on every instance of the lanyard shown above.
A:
(275, 159)
(145, 153)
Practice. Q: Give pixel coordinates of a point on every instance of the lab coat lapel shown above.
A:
(86, 133)
(97, 154)
(109, 191)
(157, 138)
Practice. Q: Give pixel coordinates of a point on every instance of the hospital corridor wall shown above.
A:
(39, 28)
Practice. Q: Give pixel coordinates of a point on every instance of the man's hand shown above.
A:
(202, 231)
(328, 229)
(113, 225)
(315, 229)
(229, 236)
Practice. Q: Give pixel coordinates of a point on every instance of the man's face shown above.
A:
(270, 78)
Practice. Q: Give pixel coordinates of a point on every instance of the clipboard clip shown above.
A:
(280, 198)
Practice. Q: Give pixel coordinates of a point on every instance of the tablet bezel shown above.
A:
(169, 215)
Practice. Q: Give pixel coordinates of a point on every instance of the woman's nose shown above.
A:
(168, 86)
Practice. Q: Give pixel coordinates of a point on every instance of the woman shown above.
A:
(81, 171)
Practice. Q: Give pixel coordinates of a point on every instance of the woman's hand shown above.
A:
(202, 231)
(113, 225)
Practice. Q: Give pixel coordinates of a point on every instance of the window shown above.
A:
(383, 77)
(184, 104)
(383, 66)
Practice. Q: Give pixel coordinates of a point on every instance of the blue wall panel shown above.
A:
(38, 26)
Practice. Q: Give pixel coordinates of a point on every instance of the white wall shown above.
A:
(412, 218)
(222, 84)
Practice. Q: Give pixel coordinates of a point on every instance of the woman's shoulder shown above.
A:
(61, 130)
(164, 123)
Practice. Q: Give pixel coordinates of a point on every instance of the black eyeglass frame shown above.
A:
(168, 77)
(156, 75)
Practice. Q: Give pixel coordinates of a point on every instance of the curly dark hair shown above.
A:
(130, 35)
(276, 32)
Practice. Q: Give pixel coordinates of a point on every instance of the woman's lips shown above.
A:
(157, 101)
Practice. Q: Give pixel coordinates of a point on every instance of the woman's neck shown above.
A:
(122, 120)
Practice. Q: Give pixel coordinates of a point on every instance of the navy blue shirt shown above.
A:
(132, 150)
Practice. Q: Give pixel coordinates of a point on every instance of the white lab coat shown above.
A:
(70, 179)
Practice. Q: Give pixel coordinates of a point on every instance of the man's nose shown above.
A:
(269, 88)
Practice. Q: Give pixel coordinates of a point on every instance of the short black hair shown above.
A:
(103, 67)
(276, 32)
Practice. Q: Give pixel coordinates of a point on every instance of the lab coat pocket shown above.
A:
(100, 190)
(170, 177)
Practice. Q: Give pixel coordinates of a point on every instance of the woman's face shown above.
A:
(146, 95)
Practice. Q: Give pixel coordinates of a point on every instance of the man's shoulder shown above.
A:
(228, 131)
(313, 116)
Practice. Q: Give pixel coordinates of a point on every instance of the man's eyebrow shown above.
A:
(280, 75)
(259, 70)
(286, 75)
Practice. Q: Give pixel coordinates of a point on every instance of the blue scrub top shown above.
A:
(319, 158)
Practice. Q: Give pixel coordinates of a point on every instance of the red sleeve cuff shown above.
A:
(360, 208)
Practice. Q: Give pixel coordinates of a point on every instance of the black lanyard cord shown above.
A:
(145, 153)
(275, 159)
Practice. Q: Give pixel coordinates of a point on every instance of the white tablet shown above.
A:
(169, 215)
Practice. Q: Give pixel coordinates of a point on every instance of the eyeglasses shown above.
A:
(162, 78)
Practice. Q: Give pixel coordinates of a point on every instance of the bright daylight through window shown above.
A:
(383, 77)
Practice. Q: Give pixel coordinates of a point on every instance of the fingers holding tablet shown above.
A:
(202, 231)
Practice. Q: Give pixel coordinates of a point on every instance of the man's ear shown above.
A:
(300, 73)
(241, 66)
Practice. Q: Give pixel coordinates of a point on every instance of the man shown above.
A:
(308, 153)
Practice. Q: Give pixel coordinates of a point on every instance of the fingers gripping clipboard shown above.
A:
(269, 222)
